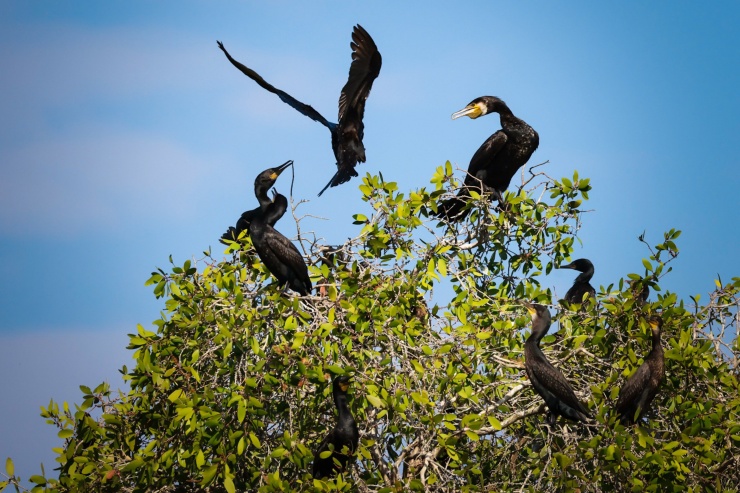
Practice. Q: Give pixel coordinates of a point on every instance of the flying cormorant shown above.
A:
(496, 161)
(547, 380)
(278, 253)
(344, 434)
(262, 184)
(640, 389)
(347, 135)
(581, 285)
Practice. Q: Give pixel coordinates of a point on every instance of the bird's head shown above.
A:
(656, 324)
(267, 178)
(540, 313)
(479, 107)
(581, 265)
(341, 384)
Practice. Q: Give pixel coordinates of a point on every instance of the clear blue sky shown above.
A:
(126, 136)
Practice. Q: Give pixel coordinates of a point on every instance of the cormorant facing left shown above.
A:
(641, 388)
(347, 135)
(581, 285)
(344, 434)
(496, 161)
(278, 253)
(262, 184)
(547, 380)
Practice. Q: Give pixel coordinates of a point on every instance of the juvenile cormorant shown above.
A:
(547, 380)
(581, 285)
(496, 161)
(344, 434)
(640, 389)
(347, 135)
(262, 184)
(278, 253)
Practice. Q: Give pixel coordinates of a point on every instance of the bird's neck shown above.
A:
(342, 407)
(586, 275)
(262, 198)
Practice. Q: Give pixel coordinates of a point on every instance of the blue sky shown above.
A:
(126, 136)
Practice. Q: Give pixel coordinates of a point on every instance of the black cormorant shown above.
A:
(639, 390)
(498, 159)
(347, 135)
(344, 434)
(581, 285)
(262, 184)
(278, 253)
(547, 380)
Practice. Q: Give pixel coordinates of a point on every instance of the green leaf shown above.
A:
(9, 467)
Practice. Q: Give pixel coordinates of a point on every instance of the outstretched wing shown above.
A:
(366, 62)
(284, 96)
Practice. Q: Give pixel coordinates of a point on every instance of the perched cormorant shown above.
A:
(640, 389)
(278, 253)
(344, 434)
(346, 136)
(581, 285)
(498, 159)
(547, 380)
(262, 184)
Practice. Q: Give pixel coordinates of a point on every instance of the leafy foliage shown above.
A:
(232, 391)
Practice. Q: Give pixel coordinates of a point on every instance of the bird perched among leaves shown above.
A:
(347, 134)
(547, 380)
(496, 161)
(339, 445)
(262, 184)
(278, 253)
(581, 285)
(641, 388)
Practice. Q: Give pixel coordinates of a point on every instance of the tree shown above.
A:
(232, 390)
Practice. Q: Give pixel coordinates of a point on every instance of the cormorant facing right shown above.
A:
(278, 253)
(640, 389)
(547, 380)
(496, 161)
(344, 434)
(262, 184)
(581, 285)
(347, 135)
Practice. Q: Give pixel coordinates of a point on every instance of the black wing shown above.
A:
(284, 96)
(477, 174)
(284, 260)
(366, 62)
(241, 225)
(543, 374)
(631, 393)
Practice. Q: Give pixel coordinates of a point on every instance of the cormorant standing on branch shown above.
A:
(278, 253)
(344, 434)
(496, 161)
(581, 285)
(262, 184)
(547, 380)
(347, 135)
(640, 389)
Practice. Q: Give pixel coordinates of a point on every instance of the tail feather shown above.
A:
(453, 209)
(343, 175)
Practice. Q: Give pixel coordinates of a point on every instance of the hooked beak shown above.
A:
(569, 266)
(276, 171)
(473, 111)
(530, 307)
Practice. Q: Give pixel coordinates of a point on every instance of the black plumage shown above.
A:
(496, 161)
(344, 434)
(547, 380)
(278, 253)
(347, 135)
(262, 184)
(641, 388)
(581, 285)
